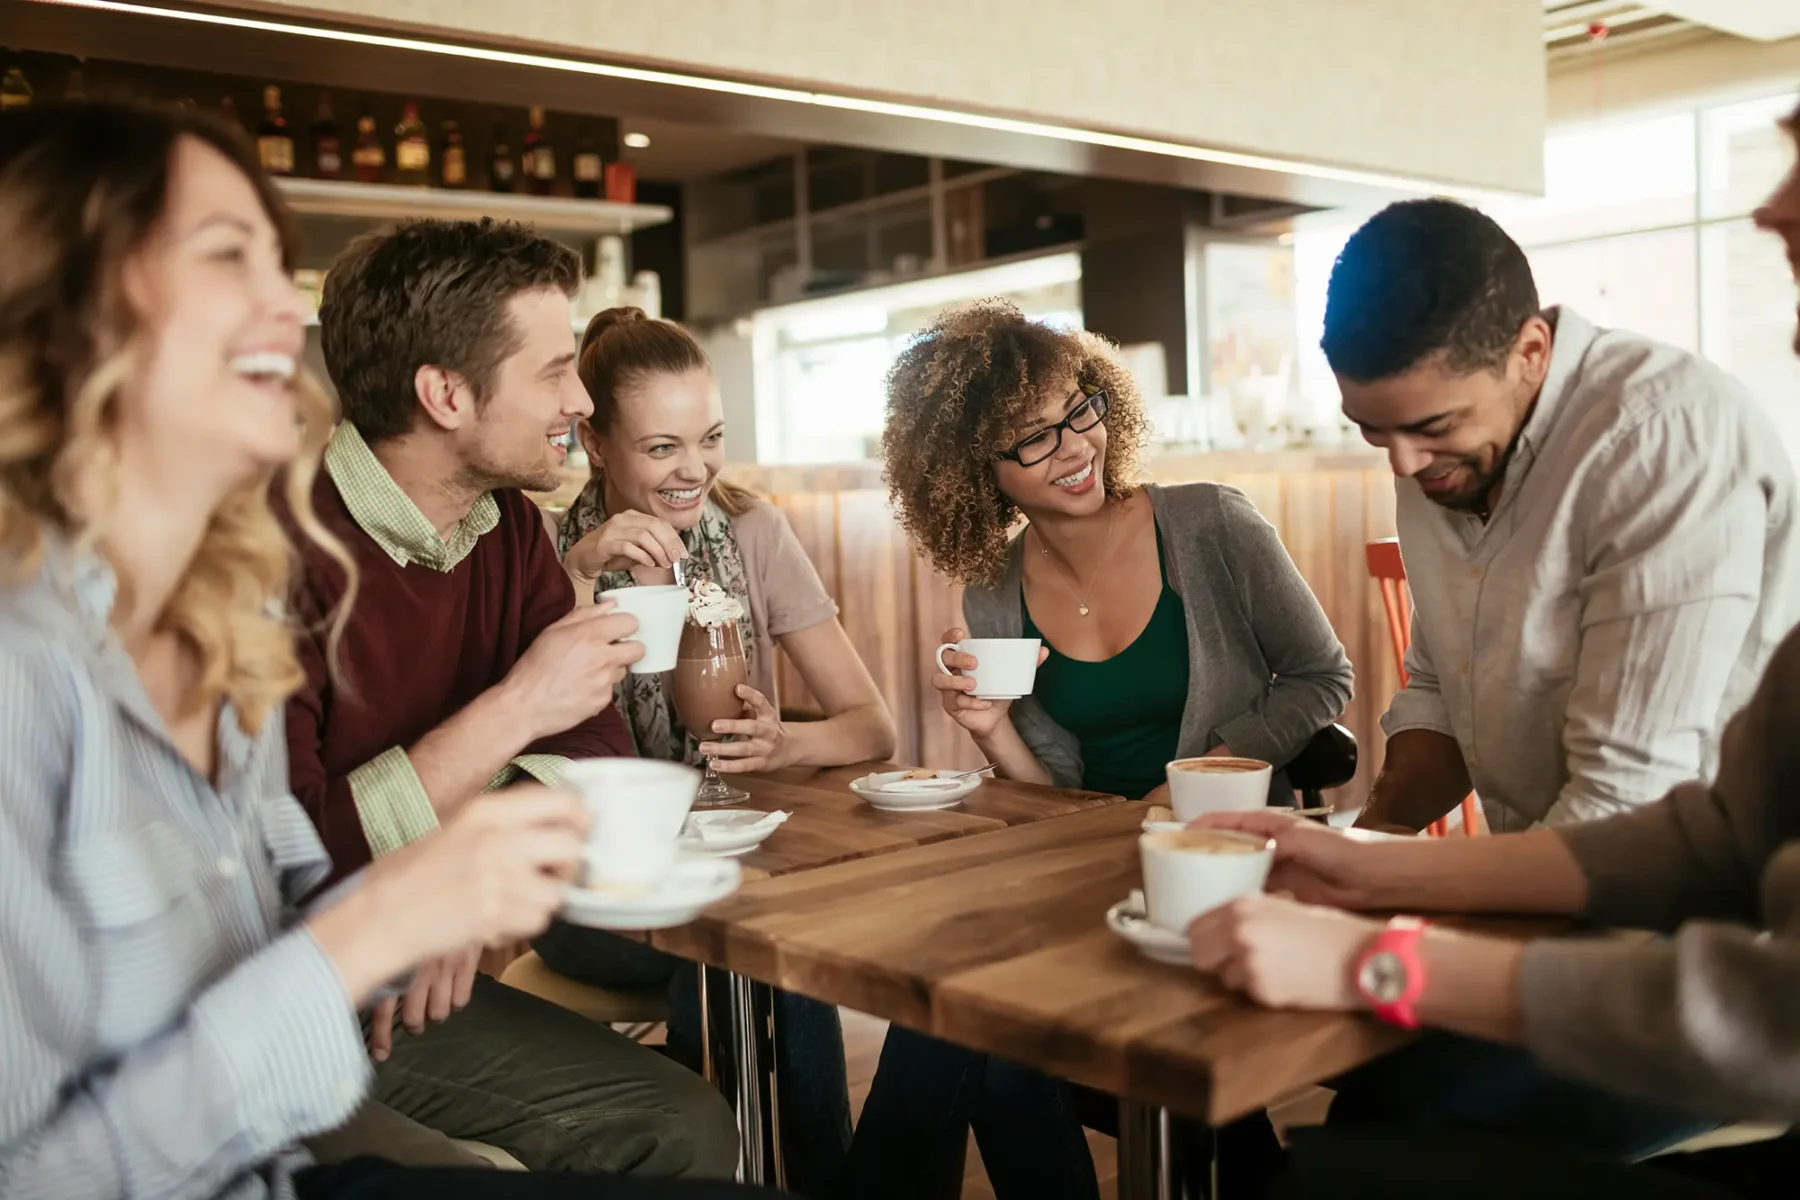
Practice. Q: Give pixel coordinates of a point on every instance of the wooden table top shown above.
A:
(997, 942)
(828, 823)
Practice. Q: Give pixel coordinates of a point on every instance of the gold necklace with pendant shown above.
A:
(1068, 581)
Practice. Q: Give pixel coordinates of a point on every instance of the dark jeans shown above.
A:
(1446, 1080)
(928, 1094)
(379, 1179)
(1391, 1163)
(556, 1091)
(815, 1094)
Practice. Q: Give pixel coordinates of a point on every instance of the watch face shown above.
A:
(1383, 977)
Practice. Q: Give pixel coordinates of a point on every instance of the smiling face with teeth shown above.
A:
(212, 402)
(664, 448)
(519, 434)
(1072, 481)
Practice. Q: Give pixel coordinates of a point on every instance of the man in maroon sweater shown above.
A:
(464, 663)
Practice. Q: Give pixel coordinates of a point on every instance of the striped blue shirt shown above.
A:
(165, 1028)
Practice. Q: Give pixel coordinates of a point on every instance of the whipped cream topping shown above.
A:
(711, 605)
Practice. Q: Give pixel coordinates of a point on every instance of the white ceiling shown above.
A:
(1566, 22)
(1764, 20)
(680, 152)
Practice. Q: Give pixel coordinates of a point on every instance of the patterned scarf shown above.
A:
(713, 550)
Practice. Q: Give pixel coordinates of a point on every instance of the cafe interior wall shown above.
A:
(1451, 92)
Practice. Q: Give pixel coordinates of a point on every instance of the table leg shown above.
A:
(1150, 1165)
(740, 1061)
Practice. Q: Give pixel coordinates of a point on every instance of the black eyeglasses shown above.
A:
(1045, 442)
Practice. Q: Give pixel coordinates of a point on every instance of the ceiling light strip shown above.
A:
(943, 116)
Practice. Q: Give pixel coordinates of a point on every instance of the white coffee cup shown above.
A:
(638, 807)
(1005, 668)
(1191, 871)
(661, 610)
(1201, 785)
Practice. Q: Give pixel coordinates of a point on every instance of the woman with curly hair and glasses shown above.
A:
(1174, 625)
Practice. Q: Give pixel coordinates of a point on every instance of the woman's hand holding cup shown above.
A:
(957, 691)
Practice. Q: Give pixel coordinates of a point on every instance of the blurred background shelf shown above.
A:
(387, 202)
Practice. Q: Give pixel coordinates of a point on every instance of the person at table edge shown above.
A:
(177, 1005)
(1174, 622)
(1597, 529)
(1175, 625)
(466, 665)
(1701, 1017)
(655, 442)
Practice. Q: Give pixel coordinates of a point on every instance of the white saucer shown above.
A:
(730, 832)
(873, 789)
(1127, 920)
(691, 884)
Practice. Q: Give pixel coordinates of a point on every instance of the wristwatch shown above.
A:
(1389, 973)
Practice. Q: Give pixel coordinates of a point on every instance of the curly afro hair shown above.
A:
(963, 391)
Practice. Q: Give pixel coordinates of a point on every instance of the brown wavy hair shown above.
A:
(964, 390)
(82, 186)
(620, 349)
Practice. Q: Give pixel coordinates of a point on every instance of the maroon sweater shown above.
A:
(419, 645)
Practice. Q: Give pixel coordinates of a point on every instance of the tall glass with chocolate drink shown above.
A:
(709, 668)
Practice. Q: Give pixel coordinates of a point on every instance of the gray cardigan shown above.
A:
(1265, 670)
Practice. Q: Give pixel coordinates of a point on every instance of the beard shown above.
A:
(491, 473)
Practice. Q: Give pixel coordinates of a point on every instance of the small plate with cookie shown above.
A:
(917, 790)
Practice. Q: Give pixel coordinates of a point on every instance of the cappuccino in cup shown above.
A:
(1191, 871)
(1201, 785)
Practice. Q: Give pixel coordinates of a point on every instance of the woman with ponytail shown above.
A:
(656, 440)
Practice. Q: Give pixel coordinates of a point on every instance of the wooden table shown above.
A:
(830, 824)
(997, 942)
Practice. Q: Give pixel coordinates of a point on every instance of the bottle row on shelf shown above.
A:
(410, 155)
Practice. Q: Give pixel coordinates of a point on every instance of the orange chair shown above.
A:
(1389, 572)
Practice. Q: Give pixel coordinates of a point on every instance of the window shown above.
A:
(1645, 282)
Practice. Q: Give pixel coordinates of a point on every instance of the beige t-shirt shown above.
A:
(786, 594)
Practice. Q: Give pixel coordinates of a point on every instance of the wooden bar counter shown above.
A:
(1326, 504)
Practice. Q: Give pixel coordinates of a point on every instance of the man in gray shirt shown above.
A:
(1597, 529)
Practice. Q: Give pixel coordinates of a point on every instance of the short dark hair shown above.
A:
(1423, 278)
(429, 293)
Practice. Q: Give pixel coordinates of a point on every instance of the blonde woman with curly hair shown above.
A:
(171, 1023)
(1174, 625)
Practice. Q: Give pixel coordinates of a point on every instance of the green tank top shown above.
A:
(1125, 710)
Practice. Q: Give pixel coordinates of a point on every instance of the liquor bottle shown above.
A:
(369, 158)
(587, 167)
(503, 168)
(328, 145)
(228, 110)
(274, 141)
(15, 89)
(540, 156)
(76, 87)
(453, 157)
(412, 149)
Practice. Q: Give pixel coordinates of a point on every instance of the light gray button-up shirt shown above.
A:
(161, 1033)
(1586, 645)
